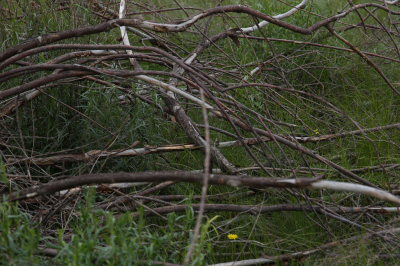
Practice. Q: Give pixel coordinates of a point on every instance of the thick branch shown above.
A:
(234, 181)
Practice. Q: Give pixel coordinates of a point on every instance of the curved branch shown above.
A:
(233, 181)
(159, 27)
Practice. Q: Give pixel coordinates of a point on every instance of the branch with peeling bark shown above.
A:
(259, 182)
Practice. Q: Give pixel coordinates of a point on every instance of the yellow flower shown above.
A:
(232, 236)
(316, 132)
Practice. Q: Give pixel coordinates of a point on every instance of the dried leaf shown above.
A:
(235, 40)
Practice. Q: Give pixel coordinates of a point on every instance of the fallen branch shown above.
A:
(99, 154)
(233, 181)
(257, 209)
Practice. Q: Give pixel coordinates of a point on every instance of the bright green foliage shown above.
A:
(98, 238)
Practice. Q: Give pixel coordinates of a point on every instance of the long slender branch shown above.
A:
(259, 182)
(98, 154)
(257, 209)
(159, 27)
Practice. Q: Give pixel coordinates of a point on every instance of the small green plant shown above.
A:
(98, 238)
(18, 240)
